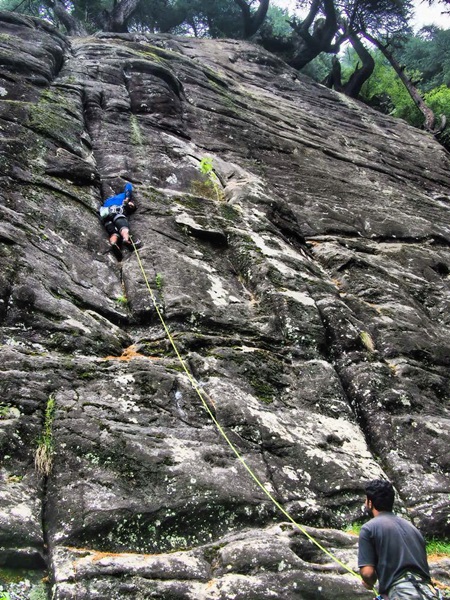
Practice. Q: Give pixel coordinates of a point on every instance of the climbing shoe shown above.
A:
(115, 249)
(129, 244)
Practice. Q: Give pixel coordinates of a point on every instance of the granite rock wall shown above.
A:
(305, 284)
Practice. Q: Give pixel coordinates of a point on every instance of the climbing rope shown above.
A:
(224, 434)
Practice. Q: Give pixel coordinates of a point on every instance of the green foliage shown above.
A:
(123, 300)
(39, 593)
(8, 412)
(159, 16)
(14, 478)
(35, 8)
(209, 18)
(277, 19)
(87, 12)
(354, 528)
(43, 459)
(136, 136)
(385, 91)
(428, 53)
(159, 281)
(426, 59)
(438, 100)
(213, 182)
(438, 547)
(381, 18)
(4, 414)
(12, 579)
(319, 67)
(199, 18)
(206, 165)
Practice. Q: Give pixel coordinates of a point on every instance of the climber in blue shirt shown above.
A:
(114, 214)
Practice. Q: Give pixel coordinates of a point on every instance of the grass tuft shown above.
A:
(43, 459)
(367, 340)
(438, 548)
(354, 528)
(159, 281)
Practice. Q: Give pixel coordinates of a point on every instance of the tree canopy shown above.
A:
(424, 62)
(227, 18)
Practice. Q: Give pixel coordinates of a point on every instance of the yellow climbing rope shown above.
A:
(225, 436)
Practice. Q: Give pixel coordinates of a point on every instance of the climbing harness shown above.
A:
(424, 588)
(241, 459)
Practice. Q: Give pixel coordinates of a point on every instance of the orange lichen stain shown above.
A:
(96, 555)
(436, 556)
(352, 532)
(436, 582)
(84, 551)
(312, 243)
(130, 353)
(374, 306)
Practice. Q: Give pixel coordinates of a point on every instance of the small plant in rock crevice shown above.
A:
(122, 300)
(206, 168)
(136, 136)
(367, 340)
(43, 459)
(159, 281)
(354, 528)
(4, 414)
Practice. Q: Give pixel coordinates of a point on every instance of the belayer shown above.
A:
(114, 214)
(392, 551)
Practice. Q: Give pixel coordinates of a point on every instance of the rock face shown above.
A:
(305, 284)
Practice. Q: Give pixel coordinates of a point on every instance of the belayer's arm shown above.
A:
(369, 576)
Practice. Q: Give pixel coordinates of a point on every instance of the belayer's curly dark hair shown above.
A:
(381, 493)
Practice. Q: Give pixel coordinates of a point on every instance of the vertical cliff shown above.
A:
(305, 284)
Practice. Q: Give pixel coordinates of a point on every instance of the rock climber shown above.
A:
(392, 550)
(114, 214)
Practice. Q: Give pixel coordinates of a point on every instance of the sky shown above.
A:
(424, 14)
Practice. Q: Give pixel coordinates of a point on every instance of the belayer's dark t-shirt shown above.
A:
(392, 545)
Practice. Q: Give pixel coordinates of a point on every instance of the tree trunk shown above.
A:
(429, 123)
(252, 22)
(334, 78)
(324, 30)
(73, 26)
(360, 75)
(116, 20)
